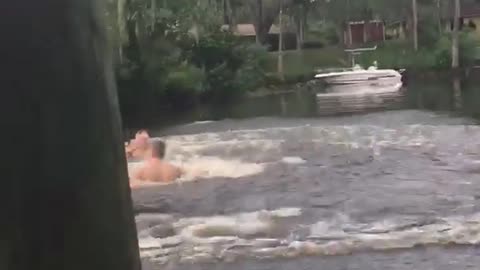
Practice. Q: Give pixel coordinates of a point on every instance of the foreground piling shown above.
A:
(64, 196)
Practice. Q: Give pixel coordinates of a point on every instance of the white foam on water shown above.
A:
(220, 228)
(232, 236)
(213, 167)
(186, 155)
(239, 225)
(293, 160)
(413, 135)
(286, 212)
(201, 122)
(222, 154)
(187, 150)
(236, 234)
(149, 242)
(326, 230)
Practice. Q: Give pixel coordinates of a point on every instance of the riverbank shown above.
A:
(259, 78)
(434, 93)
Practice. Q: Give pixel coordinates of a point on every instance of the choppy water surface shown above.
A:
(390, 190)
(284, 189)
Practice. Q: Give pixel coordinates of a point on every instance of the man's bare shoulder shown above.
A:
(138, 172)
(171, 169)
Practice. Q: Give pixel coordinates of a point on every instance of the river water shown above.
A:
(280, 188)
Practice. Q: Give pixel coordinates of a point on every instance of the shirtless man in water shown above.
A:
(155, 169)
(139, 147)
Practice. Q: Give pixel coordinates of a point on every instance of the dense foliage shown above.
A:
(178, 53)
(435, 56)
(167, 64)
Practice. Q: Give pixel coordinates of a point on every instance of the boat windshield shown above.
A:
(331, 70)
(357, 67)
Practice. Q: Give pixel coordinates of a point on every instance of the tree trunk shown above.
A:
(225, 12)
(140, 34)
(154, 14)
(231, 16)
(196, 26)
(455, 36)
(344, 35)
(415, 24)
(266, 13)
(302, 35)
(439, 16)
(280, 41)
(65, 199)
(122, 26)
(304, 22)
(213, 4)
(298, 29)
(300, 26)
(260, 35)
(348, 11)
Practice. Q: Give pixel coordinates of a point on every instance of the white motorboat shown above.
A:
(359, 75)
(363, 89)
(359, 90)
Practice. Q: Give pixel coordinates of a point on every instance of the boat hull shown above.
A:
(359, 76)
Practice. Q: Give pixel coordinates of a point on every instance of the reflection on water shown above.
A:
(361, 97)
(457, 94)
(461, 97)
(441, 95)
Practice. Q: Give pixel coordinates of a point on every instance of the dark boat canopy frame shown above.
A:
(358, 51)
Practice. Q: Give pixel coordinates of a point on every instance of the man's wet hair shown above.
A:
(142, 131)
(159, 148)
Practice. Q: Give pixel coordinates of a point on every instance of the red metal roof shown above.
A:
(470, 11)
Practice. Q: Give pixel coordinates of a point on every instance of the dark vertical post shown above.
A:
(280, 42)
(415, 24)
(259, 22)
(64, 196)
(457, 86)
(455, 36)
(439, 16)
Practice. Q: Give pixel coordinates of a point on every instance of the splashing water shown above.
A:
(349, 187)
(228, 237)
